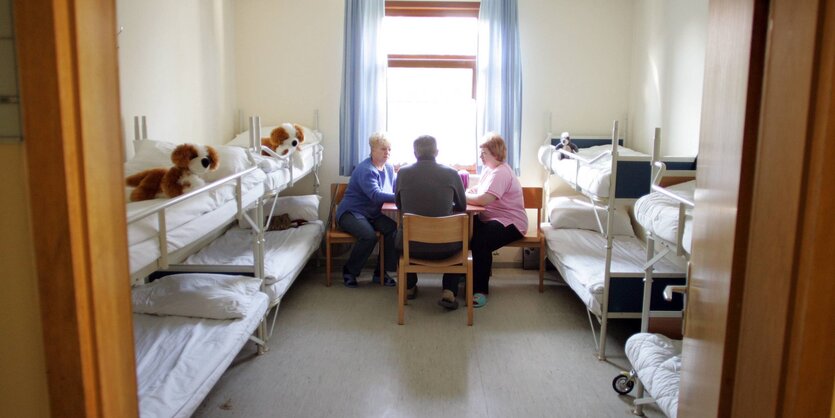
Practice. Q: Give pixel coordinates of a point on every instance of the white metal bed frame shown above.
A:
(654, 256)
(172, 262)
(609, 205)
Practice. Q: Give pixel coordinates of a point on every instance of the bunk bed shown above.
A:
(180, 356)
(589, 236)
(666, 216)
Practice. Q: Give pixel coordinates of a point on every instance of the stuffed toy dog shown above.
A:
(566, 144)
(190, 162)
(285, 140)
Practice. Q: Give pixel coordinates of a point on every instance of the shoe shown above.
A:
(448, 300)
(349, 280)
(387, 280)
(479, 300)
(411, 293)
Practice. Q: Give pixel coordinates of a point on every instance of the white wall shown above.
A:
(667, 72)
(176, 66)
(575, 65)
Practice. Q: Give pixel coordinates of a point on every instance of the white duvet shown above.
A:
(658, 214)
(179, 359)
(285, 253)
(593, 178)
(657, 360)
(580, 257)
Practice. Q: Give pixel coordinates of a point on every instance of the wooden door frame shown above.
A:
(769, 353)
(70, 111)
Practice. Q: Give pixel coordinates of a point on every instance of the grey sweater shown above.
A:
(429, 189)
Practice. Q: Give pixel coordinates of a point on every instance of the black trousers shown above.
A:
(488, 237)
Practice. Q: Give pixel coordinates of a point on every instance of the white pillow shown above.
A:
(298, 207)
(200, 295)
(149, 154)
(231, 160)
(569, 212)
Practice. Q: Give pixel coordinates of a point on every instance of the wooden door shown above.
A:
(70, 102)
(759, 325)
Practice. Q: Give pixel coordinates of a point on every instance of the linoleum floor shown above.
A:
(338, 352)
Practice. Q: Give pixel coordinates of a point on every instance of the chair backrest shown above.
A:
(337, 193)
(533, 200)
(436, 230)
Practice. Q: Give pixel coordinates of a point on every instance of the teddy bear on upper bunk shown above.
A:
(285, 140)
(191, 161)
(565, 144)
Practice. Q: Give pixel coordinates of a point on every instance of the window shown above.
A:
(431, 49)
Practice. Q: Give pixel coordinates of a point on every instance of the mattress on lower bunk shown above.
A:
(657, 361)
(580, 257)
(658, 213)
(285, 253)
(593, 178)
(179, 359)
(187, 223)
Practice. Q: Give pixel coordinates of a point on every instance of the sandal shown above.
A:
(479, 300)
(448, 300)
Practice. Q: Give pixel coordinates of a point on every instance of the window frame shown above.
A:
(435, 9)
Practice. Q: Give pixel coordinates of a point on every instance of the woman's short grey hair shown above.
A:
(378, 139)
(425, 147)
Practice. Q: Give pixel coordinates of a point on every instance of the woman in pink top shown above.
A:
(504, 219)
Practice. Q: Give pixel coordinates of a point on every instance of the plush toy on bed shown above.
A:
(190, 162)
(566, 144)
(285, 140)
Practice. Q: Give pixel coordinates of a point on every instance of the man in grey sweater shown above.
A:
(430, 189)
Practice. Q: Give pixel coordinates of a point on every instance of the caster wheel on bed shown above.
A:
(623, 384)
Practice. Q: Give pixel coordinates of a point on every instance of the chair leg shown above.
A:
(382, 260)
(541, 268)
(470, 293)
(401, 292)
(328, 263)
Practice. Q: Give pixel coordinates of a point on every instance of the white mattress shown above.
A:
(186, 222)
(658, 214)
(580, 257)
(179, 359)
(657, 360)
(593, 178)
(285, 253)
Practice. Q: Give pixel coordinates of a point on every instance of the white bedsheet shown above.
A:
(187, 223)
(593, 178)
(179, 359)
(657, 360)
(658, 214)
(580, 257)
(285, 253)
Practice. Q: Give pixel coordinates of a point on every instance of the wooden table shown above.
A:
(472, 210)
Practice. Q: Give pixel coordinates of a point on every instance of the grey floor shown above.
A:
(338, 352)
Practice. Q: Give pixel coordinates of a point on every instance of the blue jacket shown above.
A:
(367, 190)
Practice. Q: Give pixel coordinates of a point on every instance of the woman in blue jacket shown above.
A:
(359, 213)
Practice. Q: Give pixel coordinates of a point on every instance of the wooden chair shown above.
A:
(435, 230)
(533, 200)
(334, 235)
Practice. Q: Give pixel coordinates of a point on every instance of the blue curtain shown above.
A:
(363, 101)
(499, 91)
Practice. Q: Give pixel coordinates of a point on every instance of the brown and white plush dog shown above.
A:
(284, 138)
(190, 162)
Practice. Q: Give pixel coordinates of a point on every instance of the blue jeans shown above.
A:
(363, 230)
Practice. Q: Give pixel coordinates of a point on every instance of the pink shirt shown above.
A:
(509, 206)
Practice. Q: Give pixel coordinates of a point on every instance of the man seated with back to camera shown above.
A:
(430, 189)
